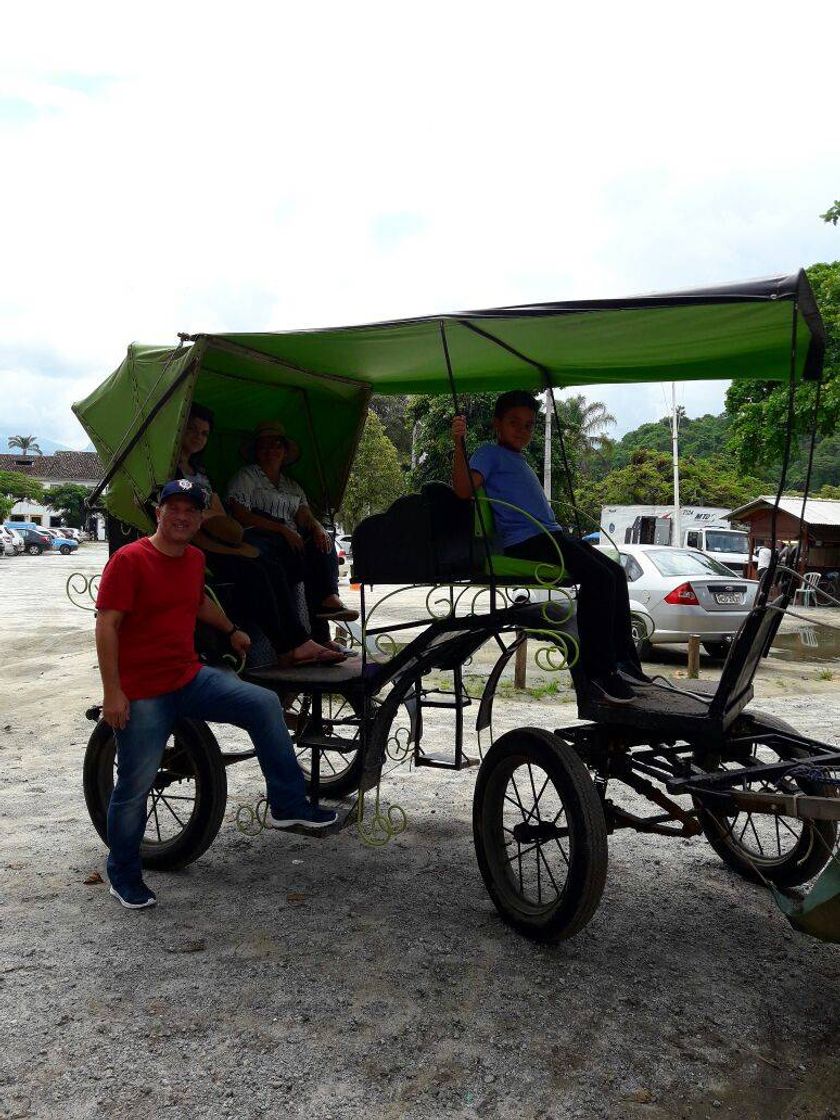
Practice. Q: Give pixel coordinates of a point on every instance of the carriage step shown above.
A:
(327, 743)
(444, 762)
(346, 816)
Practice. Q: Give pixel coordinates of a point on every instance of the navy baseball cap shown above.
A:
(182, 488)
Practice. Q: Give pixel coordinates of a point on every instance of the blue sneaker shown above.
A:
(134, 896)
(309, 816)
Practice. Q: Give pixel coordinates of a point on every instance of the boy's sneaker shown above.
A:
(134, 896)
(310, 816)
(613, 689)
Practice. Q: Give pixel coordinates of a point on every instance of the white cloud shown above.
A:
(200, 167)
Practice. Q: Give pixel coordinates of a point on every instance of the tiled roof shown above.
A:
(818, 511)
(63, 466)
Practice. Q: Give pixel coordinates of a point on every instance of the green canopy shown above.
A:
(318, 382)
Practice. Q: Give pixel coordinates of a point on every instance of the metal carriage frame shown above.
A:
(733, 765)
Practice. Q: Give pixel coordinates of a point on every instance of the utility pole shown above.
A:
(677, 521)
(549, 408)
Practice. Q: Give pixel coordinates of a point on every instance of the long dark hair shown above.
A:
(200, 412)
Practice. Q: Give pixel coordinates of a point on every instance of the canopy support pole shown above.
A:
(485, 538)
(319, 465)
(774, 560)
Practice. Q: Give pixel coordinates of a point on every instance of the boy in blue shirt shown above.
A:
(608, 653)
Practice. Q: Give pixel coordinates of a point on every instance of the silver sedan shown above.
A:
(685, 592)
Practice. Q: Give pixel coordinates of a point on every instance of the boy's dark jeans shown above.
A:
(603, 601)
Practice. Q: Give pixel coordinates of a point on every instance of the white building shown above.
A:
(81, 467)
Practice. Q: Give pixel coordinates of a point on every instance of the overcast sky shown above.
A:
(210, 166)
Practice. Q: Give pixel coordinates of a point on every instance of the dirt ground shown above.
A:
(281, 976)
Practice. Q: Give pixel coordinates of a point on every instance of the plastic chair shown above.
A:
(808, 588)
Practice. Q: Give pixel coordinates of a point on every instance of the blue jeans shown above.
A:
(214, 695)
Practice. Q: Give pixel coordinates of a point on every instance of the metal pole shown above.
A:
(693, 656)
(547, 452)
(675, 450)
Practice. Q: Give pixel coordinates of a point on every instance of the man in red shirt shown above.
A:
(150, 595)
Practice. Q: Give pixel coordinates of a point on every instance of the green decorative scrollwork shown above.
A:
(448, 603)
(79, 587)
(381, 827)
(558, 652)
(251, 819)
(398, 747)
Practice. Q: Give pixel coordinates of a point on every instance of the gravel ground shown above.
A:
(284, 976)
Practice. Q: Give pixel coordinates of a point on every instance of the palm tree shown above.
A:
(584, 423)
(28, 445)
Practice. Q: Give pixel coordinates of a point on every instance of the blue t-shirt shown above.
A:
(509, 477)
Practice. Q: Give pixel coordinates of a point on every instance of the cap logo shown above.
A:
(185, 484)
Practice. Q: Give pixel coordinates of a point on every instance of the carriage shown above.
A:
(764, 796)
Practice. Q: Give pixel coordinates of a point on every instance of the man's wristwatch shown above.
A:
(232, 631)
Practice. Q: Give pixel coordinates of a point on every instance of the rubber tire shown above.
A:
(211, 793)
(588, 853)
(643, 645)
(65, 550)
(34, 550)
(808, 856)
(718, 650)
(349, 780)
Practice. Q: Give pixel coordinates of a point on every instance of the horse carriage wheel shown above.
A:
(187, 803)
(340, 766)
(540, 835)
(786, 851)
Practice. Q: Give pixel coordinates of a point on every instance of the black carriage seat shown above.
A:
(702, 709)
(436, 537)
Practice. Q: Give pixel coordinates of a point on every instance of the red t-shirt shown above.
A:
(160, 596)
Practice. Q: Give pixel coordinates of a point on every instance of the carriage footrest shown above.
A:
(346, 816)
(327, 743)
(445, 762)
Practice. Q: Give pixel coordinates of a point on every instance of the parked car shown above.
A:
(686, 592)
(12, 541)
(60, 543)
(34, 541)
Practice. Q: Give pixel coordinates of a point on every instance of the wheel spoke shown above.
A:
(525, 816)
(522, 852)
(562, 852)
(171, 810)
(548, 869)
(157, 821)
(755, 834)
(792, 831)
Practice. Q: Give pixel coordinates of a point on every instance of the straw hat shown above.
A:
(224, 536)
(273, 428)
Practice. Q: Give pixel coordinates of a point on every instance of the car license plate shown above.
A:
(724, 599)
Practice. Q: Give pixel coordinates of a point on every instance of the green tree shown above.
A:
(15, 486)
(648, 480)
(69, 498)
(583, 424)
(28, 445)
(376, 479)
(832, 214)
(392, 411)
(759, 409)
